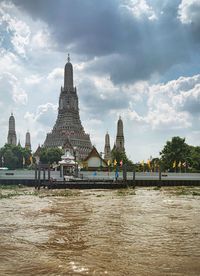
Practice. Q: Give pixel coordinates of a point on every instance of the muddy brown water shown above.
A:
(93, 232)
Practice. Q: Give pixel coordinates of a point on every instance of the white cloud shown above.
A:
(189, 100)
(33, 79)
(41, 39)
(45, 115)
(172, 105)
(8, 61)
(57, 73)
(19, 95)
(140, 9)
(13, 86)
(188, 11)
(18, 30)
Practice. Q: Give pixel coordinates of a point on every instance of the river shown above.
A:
(100, 232)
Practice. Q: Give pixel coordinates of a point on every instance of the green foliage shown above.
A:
(118, 156)
(50, 155)
(194, 159)
(174, 150)
(14, 157)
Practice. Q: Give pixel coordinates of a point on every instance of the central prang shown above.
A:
(68, 131)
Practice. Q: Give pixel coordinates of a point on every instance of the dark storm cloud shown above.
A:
(98, 105)
(135, 48)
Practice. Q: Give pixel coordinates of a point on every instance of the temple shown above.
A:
(68, 131)
(12, 137)
(28, 141)
(107, 150)
(120, 136)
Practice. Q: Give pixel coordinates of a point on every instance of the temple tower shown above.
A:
(68, 75)
(28, 141)
(120, 136)
(107, 151)
(68, 130)
(12, 137)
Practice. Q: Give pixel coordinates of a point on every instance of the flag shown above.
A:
(108, 162)
(121, 163)
(184, 164)
(174, 164)
(31, 159)
(179, 164)
(115, 162)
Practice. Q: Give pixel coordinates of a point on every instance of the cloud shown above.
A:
(125, 39)
(33, 79)
(137, 59)
(17, 29)
(57, 73)
(12, 90)
(188, 12)
(171, 105)
(100, 97)
(140, 9)
(44, 115)
(189, 100)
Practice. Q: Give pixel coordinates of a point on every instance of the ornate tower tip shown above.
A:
(68, 58)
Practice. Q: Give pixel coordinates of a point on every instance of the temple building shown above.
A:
(94, 161)
(68, 131)
(12, 137)
(28, 141)
(107, 150)
(119, 144)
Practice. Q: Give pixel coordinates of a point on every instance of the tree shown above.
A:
(121, 156)
(193, 162)
(174, 151)
(50, 155)
(14, 157)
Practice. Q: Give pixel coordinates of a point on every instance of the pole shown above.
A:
(48, 173)
(134, 179)
(160, 177)
(124, 173)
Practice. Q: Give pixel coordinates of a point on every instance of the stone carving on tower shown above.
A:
(28, 141)
(107, 151)
(68, 128)
(119, 144)
(12, 137)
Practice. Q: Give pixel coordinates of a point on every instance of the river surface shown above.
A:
(100, 232)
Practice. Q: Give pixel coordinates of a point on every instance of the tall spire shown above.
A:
(107, 152)
(68, 130)
(120, 136)
(28, 141)
(12, 137)
(68, 77)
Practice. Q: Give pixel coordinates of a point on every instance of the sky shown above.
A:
(138, 59)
